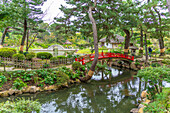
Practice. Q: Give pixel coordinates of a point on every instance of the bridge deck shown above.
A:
(90, 57)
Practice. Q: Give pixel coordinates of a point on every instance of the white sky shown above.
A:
(52, 7)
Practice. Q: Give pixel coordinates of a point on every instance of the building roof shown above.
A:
(117, 39)
(68, 42)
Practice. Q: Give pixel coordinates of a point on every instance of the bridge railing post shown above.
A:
(83, 61)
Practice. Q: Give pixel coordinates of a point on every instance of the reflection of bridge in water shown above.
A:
(53, 49)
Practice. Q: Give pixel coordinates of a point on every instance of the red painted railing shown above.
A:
(87, 58)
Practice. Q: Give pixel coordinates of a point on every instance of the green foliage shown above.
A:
(161, 103)
(61, 56)
(155, 64)
(2, 80)
(137, 62)
(61, 77)
(18, 56)
(44, 55)
(46, 65)
(19, 84)
(154, 77)
(7, 52)
(20, 106)
(76, 65)
(166, 61)
(30, 55)
(44, 46)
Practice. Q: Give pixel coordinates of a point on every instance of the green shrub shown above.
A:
(166, 61)
(154, 77)
(76, 65)
(30, 55)
(19, 84)
(2, 80)
(161, 103)
(18, 56)
(7, 52)
(44, 55)
(20, 106)
(61, 56)
(155, 64)
(61, 77)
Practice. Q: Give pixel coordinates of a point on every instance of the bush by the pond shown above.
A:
(161, 103)
(30, 55)
(44, 55)
(76, 65)
(7, 52)
(154, 77)
(2, 80)
(18, 84)
(20, 106)
(19, 79)
(18, 56)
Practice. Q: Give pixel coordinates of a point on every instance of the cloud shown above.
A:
(51, 9)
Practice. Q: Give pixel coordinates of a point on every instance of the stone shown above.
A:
(78, 81)
(50, 88)
(71, 81)
(144, 94)
(140, 110)
(4, 94)
(18, 91)
(141, 106)
(26, 90)
(37, 89)
(134, 110)
(32, 89)
(11, 91)
(133, 66)
(65, 85)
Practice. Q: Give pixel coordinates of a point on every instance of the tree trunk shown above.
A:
(92, 68)
(24, 36)
(127, 41)
(146, 50)
(27, 41)
(3, 37)
(168, 4)
(161, 46)
(141, 42)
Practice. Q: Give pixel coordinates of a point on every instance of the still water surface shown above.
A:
(117, 93)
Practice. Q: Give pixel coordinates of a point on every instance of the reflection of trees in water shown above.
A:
(117, 95)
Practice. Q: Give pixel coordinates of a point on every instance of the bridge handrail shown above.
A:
(90, 57)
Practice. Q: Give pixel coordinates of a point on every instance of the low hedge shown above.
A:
(44, 55)
(61, 56)
(18, 56)
(30, 55)
(7, 52)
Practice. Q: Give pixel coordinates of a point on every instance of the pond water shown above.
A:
(117, 93)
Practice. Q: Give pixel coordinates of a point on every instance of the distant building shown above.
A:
(68, 42)
(112, 42)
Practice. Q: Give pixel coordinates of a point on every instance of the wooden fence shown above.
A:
(34, 64)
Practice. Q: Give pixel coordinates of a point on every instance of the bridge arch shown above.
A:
(90, 57)
(58, 46)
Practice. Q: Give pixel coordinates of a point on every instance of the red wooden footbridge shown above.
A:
(90, 57)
